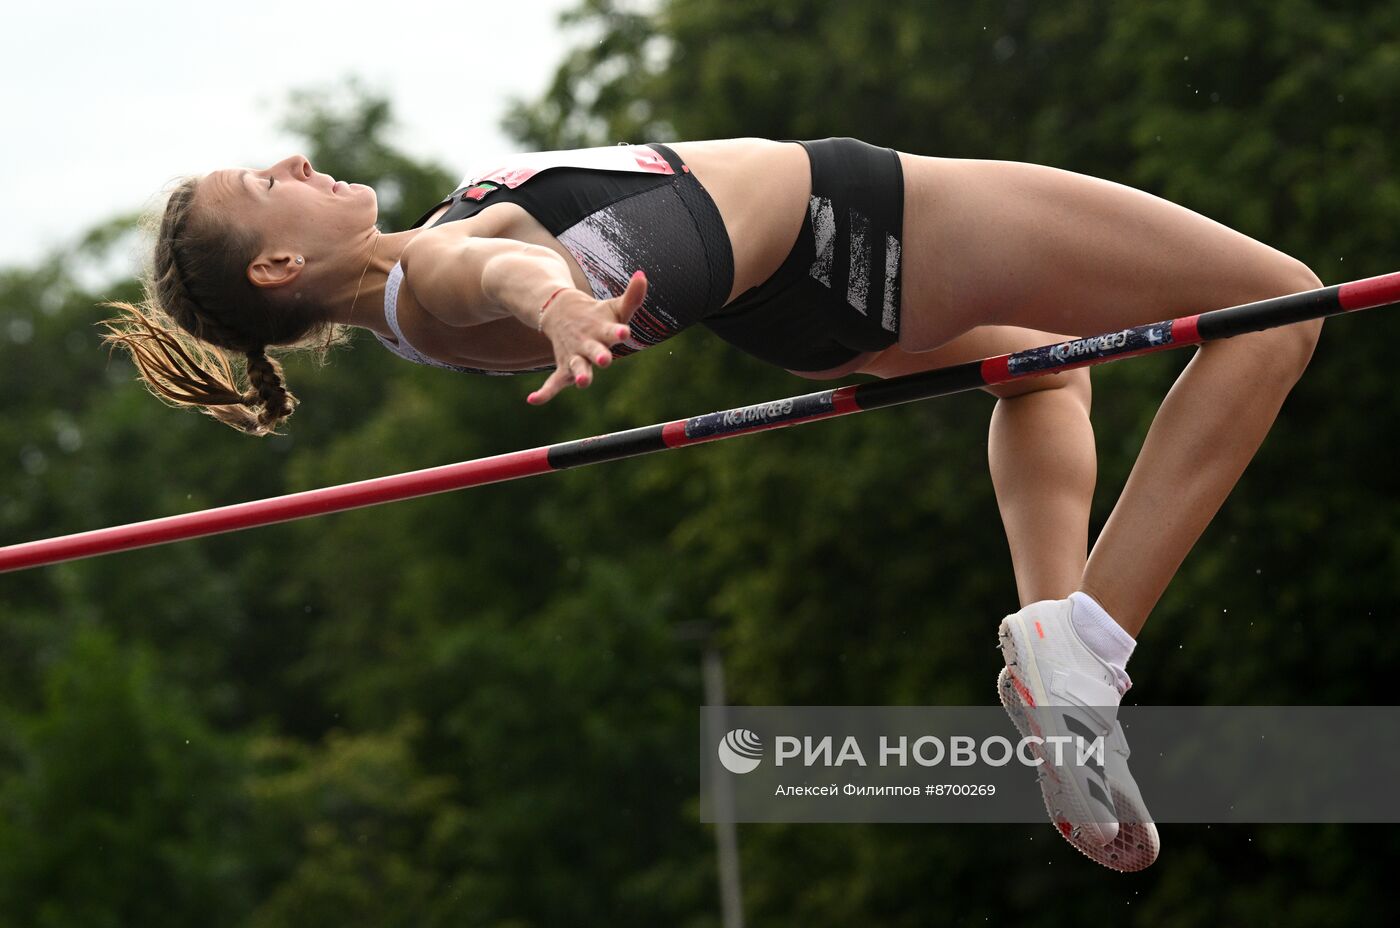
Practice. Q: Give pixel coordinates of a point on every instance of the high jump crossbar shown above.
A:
(1033, 362)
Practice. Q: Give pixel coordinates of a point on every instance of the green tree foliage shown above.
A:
(120, 805)
(479, 708)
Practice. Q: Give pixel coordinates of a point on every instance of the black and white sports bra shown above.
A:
(615, 210)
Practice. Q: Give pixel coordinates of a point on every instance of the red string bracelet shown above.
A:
(539, 325)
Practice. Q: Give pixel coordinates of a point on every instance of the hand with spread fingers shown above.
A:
(581, 329)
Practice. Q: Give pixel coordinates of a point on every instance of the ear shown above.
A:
(274, 269)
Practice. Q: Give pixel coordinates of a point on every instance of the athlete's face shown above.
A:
(298, 211)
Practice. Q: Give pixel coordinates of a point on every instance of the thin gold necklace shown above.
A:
(362, 278)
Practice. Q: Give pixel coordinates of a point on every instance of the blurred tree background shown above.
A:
(478, 708)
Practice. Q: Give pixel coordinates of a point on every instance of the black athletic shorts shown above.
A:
(836, 294)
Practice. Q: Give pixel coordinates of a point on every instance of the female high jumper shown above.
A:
(826, 258)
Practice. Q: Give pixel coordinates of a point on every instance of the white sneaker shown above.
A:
(1136, 845)
(1059, 688)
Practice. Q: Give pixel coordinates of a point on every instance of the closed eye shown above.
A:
(270, 182)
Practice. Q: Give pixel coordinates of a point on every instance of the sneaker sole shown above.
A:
(1025, 677)
(1136, 845)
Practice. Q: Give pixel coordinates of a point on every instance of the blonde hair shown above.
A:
(201, 316)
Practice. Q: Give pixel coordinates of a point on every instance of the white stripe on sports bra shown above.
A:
(516, 169)
(403, 349)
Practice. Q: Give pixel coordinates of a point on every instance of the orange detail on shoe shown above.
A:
(1039, 631)
(1021, 690)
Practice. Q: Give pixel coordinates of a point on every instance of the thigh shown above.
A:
(1010, 243)
(982, 342)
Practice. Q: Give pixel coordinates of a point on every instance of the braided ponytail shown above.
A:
(200, 312)
(276, 400)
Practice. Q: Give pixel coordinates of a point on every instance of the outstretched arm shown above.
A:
(465, 280)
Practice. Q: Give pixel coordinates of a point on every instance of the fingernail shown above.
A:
(602, 359)
(636, 274)
(621, 332)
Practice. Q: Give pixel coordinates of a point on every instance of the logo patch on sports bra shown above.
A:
(478, 192)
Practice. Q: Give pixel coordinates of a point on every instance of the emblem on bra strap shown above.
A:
(478, 192)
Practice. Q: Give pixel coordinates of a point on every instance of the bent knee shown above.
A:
(1303, 337)
(1076, 382)
(1280, 355)
(1286, 350)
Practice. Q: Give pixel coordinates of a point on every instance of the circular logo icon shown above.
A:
(740, 751)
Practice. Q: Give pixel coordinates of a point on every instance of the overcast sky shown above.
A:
(107, 102)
